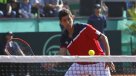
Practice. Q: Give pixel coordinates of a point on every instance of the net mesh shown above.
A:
(61, 65)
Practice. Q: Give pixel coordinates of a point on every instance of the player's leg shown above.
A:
(76, 70)
(99, 69)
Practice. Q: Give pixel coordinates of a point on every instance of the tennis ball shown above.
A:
(91, 52)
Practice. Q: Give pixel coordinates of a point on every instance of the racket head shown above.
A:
(18, 46)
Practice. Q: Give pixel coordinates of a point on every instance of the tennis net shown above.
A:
(61, 65)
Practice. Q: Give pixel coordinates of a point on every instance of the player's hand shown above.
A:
(49, 66)
(111, 66)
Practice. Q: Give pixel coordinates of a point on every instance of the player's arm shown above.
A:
(105, 42)
(62, 51)
(7, 52)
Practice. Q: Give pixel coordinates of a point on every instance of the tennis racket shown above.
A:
(18, 46)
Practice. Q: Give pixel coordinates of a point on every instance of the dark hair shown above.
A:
(64, 12)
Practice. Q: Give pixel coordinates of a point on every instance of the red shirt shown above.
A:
(84, 38)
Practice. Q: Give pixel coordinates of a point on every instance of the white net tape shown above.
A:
(57, 58)
(43, 65)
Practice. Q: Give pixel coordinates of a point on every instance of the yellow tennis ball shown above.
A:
(91, 52)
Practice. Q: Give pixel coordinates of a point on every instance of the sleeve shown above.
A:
(63, 42)
(93, 32)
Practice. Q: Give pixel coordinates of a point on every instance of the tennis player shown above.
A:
(78, 39)
(9, 47)
(12, 48)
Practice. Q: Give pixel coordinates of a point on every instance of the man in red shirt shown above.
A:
(78, 39)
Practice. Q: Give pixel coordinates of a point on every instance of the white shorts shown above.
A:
(97, 69)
